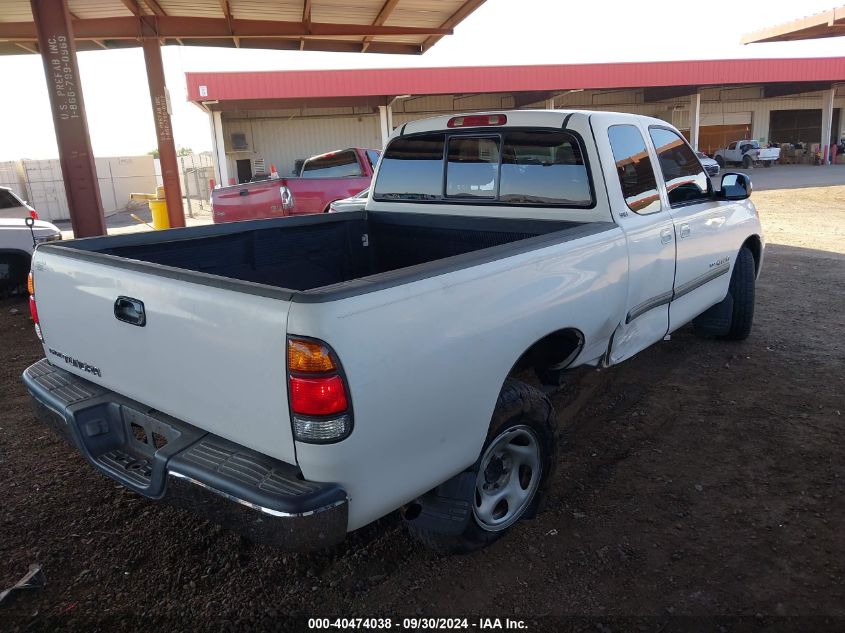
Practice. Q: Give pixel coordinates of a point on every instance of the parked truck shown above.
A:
(298, 378)
(747, 153)
(323, 179)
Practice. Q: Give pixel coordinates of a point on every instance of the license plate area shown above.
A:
(130, 445)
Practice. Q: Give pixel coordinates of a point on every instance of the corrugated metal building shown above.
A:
(281, 117)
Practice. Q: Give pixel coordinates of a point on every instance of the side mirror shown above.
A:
(734, 187)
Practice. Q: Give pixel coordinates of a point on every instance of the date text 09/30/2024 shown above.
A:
(417, 624)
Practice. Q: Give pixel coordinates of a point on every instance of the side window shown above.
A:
(472, 167)
(8, 200)
(412, 169)
(633, 166)
(334, 165)
(686, 180)
(732, 145)
(372, 156)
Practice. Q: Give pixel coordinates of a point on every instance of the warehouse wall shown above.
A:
(282, 136)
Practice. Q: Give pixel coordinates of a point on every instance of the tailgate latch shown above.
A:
(130, 311)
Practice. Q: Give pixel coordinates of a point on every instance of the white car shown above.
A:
(710, 166)
(11, 206)
(17, 243)
(298, 378)
(353, 203)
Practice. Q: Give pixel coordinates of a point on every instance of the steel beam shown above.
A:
(164, 133)
(58, 52)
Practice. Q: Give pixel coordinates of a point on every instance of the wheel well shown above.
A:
(18, 262)
(562, 346)
(755, 245)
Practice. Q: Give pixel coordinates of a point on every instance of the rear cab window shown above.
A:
(334, 165)
(511, 167)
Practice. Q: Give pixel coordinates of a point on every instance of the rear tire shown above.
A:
(516, 462)
(742, 289)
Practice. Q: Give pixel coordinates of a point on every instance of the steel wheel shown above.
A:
(507, 478)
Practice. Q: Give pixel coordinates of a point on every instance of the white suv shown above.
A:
(18, 240)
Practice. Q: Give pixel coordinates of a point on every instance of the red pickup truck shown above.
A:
(323, 179)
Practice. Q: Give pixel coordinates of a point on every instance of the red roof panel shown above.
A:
(225, 86)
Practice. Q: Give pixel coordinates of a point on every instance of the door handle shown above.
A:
(666, 235)
(130, 311)
(243, 192)
(685, 230)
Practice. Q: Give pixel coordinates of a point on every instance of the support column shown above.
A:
(220, 161)
(385, 114)
(164, 132)
(827, 123)
(58, 52)
(694, 119)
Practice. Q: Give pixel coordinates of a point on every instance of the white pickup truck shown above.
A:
(747, 153)
(298, 378)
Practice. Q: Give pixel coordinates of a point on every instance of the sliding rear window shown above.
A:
(532, 167)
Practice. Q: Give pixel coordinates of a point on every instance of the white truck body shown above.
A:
(424, 348)
(747, 153)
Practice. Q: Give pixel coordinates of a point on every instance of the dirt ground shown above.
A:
(700, 480)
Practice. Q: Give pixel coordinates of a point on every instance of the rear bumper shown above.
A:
(165, 459)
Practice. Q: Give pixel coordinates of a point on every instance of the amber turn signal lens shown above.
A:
(30, 285)
(308, 357)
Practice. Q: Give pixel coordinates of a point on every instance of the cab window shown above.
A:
(686, 180)
(633, 166)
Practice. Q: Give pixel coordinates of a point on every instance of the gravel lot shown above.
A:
(699, 479)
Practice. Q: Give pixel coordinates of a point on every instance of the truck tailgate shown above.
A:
(208, 355)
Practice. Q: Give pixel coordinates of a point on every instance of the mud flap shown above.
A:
(716, 320)
(447, 508)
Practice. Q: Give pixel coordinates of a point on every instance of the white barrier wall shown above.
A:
(41, 183)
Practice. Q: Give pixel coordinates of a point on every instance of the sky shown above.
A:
(500, 32)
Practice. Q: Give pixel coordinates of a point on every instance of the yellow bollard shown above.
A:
(158, 207)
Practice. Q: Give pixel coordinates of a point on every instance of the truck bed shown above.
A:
(320, 255)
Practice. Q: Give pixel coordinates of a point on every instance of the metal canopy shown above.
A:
(374, 26)
(826, 24)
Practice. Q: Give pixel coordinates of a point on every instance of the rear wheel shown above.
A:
(768, 163)
(516, 461)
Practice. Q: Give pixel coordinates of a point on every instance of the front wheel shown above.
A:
(516, 462)
(742, 290)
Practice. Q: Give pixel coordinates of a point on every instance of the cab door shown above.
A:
(633, 192)
(703, 227)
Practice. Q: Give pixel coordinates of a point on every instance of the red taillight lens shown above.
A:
(33, 214)
(477, 120)
(33, 309)
(317, 396)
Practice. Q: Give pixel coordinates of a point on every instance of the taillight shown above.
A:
(33, 309)
(317, 396)
(319, 403)
(477, 120)
(33, 214)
